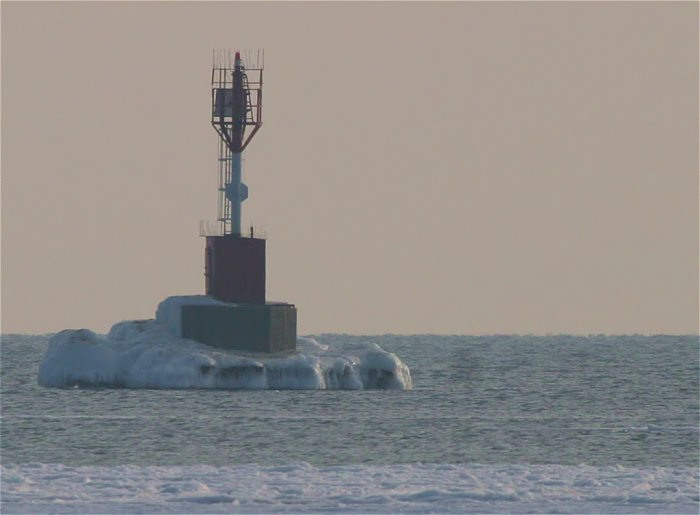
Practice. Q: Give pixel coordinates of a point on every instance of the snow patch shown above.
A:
(294, 488)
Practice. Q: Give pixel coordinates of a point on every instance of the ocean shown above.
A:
(487, 424)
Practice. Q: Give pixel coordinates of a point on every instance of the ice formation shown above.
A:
(300, 487)
(151, 354)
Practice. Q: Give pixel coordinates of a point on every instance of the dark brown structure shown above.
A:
(234, 269)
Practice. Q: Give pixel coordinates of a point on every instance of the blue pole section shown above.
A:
(234, 193)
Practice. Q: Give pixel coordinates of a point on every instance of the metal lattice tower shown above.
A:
(236, 114)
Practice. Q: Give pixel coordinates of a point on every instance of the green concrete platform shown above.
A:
(270, 327)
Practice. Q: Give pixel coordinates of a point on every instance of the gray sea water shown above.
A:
(598, 400)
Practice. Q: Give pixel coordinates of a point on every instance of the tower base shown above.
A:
(270, 327)
(234, 268)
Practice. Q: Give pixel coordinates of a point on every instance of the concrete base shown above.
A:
(270, 327)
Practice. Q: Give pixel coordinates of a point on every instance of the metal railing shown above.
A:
(211, 228)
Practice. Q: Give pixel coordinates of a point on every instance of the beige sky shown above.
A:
(423, 168)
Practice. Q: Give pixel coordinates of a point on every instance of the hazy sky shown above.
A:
(423, 167)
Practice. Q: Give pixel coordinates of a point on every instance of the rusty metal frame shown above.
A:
(222, 79)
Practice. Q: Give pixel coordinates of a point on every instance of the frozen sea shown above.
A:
(492, 424)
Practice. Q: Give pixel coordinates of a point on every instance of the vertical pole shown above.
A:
(234, 193)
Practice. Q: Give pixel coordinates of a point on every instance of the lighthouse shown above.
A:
(239, 317)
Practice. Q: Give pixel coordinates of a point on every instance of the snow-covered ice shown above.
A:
(417, 488)
(152, 354)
